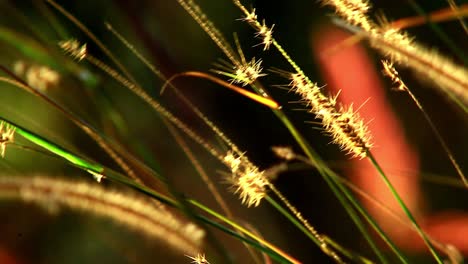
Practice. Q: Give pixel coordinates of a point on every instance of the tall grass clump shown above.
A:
(163, 164)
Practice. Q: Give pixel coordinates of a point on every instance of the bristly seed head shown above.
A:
(199, 259)
(348, 131)
(244, 73)
(285, 153)
(251, 17)
(74, 48)
(354, 11)
(343, 124)
(247, 74)
(392, 73)
(246, 179)
(38, 76)
(7, 134)
(266, 34)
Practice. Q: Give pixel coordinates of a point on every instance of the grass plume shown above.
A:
(147, 217)
(161, 159)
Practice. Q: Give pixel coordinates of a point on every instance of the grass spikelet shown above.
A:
(266, 34)
(38, 76)
(147, 217)
(353, 136)
(245, 74)
(392, 73)
(447, 75)
(199, 259)
(74, 48)
(345, 126)
(353, 11)
(285, 153)
(246, 179)
(349, 131)
(402, 49)
(7, 134)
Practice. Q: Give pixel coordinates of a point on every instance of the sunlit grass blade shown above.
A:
(406, 210)
(90, 131)
(95, 168)
(74, 159)
(259, 99)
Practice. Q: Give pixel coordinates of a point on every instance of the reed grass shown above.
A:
(177, 184)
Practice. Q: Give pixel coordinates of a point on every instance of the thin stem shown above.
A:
(88, 32)
(439, 137)
(293, 220)
(111, 175)
(244, 231)
(90, 131)
(405, 208)
(339, 190)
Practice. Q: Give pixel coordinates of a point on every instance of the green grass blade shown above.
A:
(74, 159)
(405, 209)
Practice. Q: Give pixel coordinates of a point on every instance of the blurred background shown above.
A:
(164, 33)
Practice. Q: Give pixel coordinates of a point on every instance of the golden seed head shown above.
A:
(343, 124)
(349, 131)
(143, 215)
(402, 49)
(247, 74)
(199, 259)
(7, 134)
(392, 73)
(285, 153)
(74, 48)
(266, 33)
(247, 179)
(38, 76)
(429, 63)
(353, 11)
(251, 17)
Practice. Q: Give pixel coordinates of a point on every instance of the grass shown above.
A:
(88, 107)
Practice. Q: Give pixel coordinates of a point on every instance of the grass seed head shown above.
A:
(266, 33)
(247, 180)
(7, 134)
(353, 11)
(74, 48)
(392, 73)
(248, 73)
(251, 17)
(37, 76)
(343, 124)
(199, 259)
